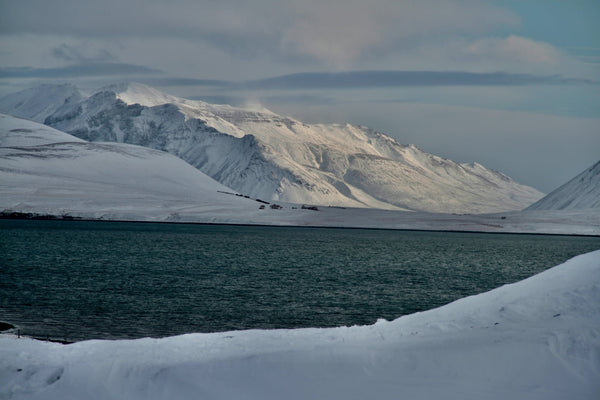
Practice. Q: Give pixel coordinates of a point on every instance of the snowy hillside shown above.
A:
(581, 192)
(534, 339)
(20, 132)
(43, 170)
(39, 102)
(262, 154)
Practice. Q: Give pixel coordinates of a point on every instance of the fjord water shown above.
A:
(83, 280)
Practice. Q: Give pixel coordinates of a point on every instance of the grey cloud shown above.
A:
(299, 81)
(341, 31)
(362, 79)
(187, 82)
(241, 99)
(135, 18)
(236, 101)
(302, 99)
(78, 54)
(374, 79)
(332, 31)
(75, 71)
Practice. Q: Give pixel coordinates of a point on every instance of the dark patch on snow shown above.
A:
(21, 130)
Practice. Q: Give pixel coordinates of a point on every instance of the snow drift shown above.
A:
(262, 154)
(535, 339)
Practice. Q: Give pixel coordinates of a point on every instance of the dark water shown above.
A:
(82, 280)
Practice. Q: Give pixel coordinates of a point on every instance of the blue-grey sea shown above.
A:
(81, 280)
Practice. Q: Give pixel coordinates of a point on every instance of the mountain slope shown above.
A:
(265, 155)
(37, 103)
(581, 192)
(44, 170)
(20, 132)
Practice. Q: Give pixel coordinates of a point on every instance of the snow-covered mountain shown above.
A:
(47, 172)
(262, 154)
(581, 192)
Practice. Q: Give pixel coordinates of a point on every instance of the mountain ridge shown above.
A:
(260, 153)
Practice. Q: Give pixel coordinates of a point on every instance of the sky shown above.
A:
(511, 84)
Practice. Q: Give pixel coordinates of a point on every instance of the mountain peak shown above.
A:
(581, 192)
(138, 93)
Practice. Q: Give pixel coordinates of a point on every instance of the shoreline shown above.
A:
(18, 216)
(39, 339)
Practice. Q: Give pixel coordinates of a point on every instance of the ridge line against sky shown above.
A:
(511, 84)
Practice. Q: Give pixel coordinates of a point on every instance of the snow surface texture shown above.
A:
(581, 192)
(534, 339)
(264, 155)
(44, 171)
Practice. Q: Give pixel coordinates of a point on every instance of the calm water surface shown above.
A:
(83, 280)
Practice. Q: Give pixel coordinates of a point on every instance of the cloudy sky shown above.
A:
(512, 84)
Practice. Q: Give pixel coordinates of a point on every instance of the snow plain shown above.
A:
(534, 339)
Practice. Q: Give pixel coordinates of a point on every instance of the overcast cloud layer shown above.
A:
(298, 54)
(333, 34)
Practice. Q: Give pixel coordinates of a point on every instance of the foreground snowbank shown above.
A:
(535, 339)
